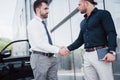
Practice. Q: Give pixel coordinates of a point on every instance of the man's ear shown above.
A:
(37, 9)
(87, 3)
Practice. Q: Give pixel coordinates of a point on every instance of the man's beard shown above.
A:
(83, 11)
(44, 15)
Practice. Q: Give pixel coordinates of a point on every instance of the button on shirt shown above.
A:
(38, 38)
(96, 30)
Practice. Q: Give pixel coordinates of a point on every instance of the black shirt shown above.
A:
(96, 30)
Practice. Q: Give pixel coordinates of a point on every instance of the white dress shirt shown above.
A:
(38, 38)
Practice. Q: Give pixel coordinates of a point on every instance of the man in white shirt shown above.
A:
(43, 62)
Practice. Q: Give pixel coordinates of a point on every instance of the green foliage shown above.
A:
(4, 42)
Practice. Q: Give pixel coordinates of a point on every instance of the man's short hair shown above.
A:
(38, 3)
(92, 2)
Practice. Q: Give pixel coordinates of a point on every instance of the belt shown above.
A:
(94, 48)
(45, 54)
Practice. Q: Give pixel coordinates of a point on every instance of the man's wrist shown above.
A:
(112, 52)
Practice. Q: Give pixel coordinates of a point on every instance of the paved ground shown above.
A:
(69, 75)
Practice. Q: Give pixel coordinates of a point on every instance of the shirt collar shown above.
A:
(38, 18)
(94, 10)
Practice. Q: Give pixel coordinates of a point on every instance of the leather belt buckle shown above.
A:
(45, 54)
(48, 54)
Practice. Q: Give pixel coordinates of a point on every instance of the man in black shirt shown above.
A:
(97, 32)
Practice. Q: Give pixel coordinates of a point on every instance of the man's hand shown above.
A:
(109, 57)
(63, 51)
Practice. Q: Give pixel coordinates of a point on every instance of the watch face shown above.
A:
(113, 53)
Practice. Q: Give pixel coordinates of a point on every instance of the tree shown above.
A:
(4, 42)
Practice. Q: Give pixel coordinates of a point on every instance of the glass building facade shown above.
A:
(64, 15)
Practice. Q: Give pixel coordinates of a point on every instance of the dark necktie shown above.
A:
(49, 38)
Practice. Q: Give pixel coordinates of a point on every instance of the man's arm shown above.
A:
(77, 43)
(109, 27)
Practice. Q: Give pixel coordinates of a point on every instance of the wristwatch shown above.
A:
(112, 52)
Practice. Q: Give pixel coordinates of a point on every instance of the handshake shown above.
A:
(63, 51)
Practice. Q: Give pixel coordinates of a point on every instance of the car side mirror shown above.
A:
(5, 53)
